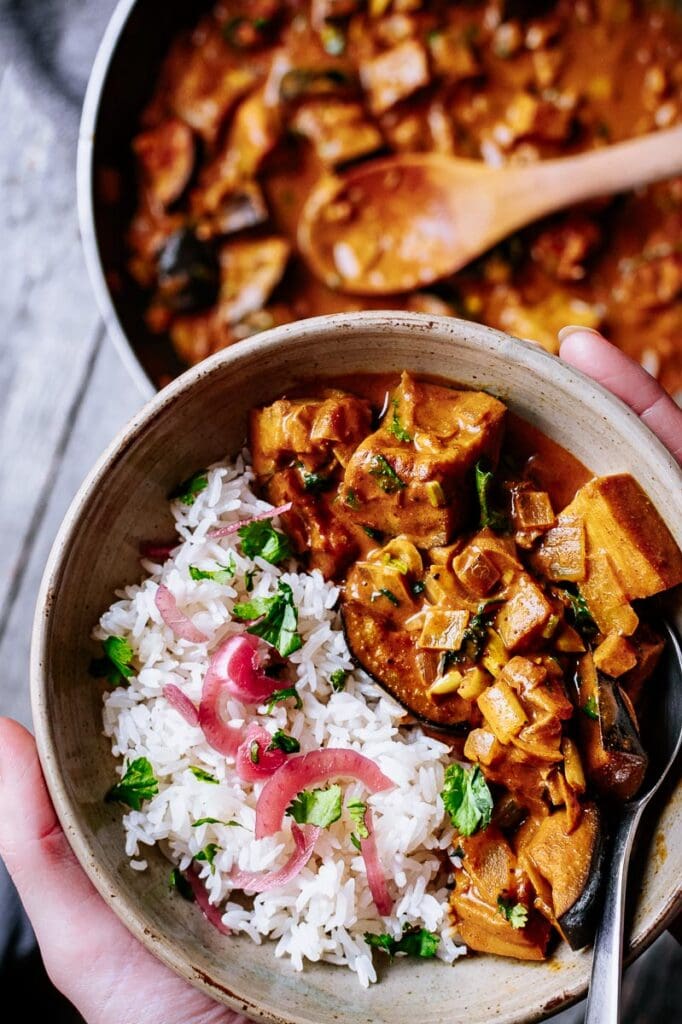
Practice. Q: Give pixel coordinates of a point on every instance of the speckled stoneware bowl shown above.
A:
(200, 418)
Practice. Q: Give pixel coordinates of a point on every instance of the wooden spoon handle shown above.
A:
(554, 184)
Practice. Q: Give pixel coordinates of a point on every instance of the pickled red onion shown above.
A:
(302, 772)
(236, 663)
(176, 620)
(181, 702)
(210, 912)
(225, 531)
(375, 873)
(157, 550)
(259, 881)
(266, 763)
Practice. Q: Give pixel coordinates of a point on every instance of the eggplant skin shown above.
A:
(579, 923)
(460, 728)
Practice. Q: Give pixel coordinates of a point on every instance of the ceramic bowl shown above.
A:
(200, 418)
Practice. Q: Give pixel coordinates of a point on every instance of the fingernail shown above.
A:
(573, 329)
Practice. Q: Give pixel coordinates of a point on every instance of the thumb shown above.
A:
(596, 357)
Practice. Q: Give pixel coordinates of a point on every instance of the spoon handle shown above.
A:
(613, 169)
(603, 1001)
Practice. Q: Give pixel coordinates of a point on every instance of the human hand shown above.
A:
(90, 956)
(588, 351)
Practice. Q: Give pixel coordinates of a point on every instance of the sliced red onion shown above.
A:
(176, 620)
(157, 550)
(210, 912)
(375, 873)
(307, 770)
(218, 733)
(181, 702)
(236, 662)
(259, 881)
(225, 531)
(254, 762)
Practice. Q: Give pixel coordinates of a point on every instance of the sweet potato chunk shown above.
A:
(524, 614)
(606, 598)
(395, 74)
(412, 476)
(561, 552)
(615, 656)
(621, 521)
(338, 130)
(443, 630)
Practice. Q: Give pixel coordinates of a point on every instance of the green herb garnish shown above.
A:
(418, 587)
(351, 499)
(385, 475)
(321, 807)
(414, 942)
(591, 708)
(208, 854)
(372, 533)
(177, 881)
(515, 913)
(279, 695)
(281, 741)
(188, 491)
(467, 799)
(248, 580)
(314, 482)
(396, 428)
(578, 612)
(261, 538)
(216, 821)
(116, 663)
(338, 679)
(278, 619)
(202, 775)
(388, 594)
(357, 810)
(223, 574)
(484, 484)
(137, 785)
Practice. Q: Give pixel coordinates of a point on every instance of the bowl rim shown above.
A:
(475, 336)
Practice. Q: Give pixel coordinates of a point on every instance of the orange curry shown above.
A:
(264, 97)
(494, 587)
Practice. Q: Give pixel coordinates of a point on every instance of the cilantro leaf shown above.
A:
(202, 775)
(372, 533)
(396, 428)
(355, 841)
(188, 491)
(281, 741)
(414, 942)
(515, 913)
(314, 482)
(137, 785)
(357, 810)
(278, 619)
(216, 821)
(484, 484)
(223, 574)
(388, 594)
(351, 499)
(385, 475)
(320, 807)
(208, 854)
(591, 709)
(467, 799)
(578, 612)
(279, 695)
(248, 580)
(116, 663)
(261, 538)
(338, 679)
(176, 880)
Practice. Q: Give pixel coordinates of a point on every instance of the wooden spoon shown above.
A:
(401, 223)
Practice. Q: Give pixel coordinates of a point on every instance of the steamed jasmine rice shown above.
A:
(325, 911)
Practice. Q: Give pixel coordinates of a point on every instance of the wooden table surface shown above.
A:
(64, 391)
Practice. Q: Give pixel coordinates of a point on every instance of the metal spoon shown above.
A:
(400, 223)
(603, 1002)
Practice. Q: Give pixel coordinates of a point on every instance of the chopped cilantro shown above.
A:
(261, 538)
(278, 619)
(338, 679)
(216, 821)
(388, 594)
(372, 533)
(414, 942)
(202, 775)
(385, 475)
(248, 580)
(116, 663)
(396, 428)
(515, 913)
(357, 810)
(208, 854)
(484, 484)
(351, 499)
(320, 807)
(578, 612)
(314, 482)
(281, 741)
(137, 785)
(418, 587)
(466, 798)
(355, 841)
(176, 880)
(279, 695)
(188, 491)
(591, 709)
(223, 574)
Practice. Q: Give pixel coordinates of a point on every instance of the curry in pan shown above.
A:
(494, 587)
(261, 99)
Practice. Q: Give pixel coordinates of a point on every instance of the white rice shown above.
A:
(324, 912)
